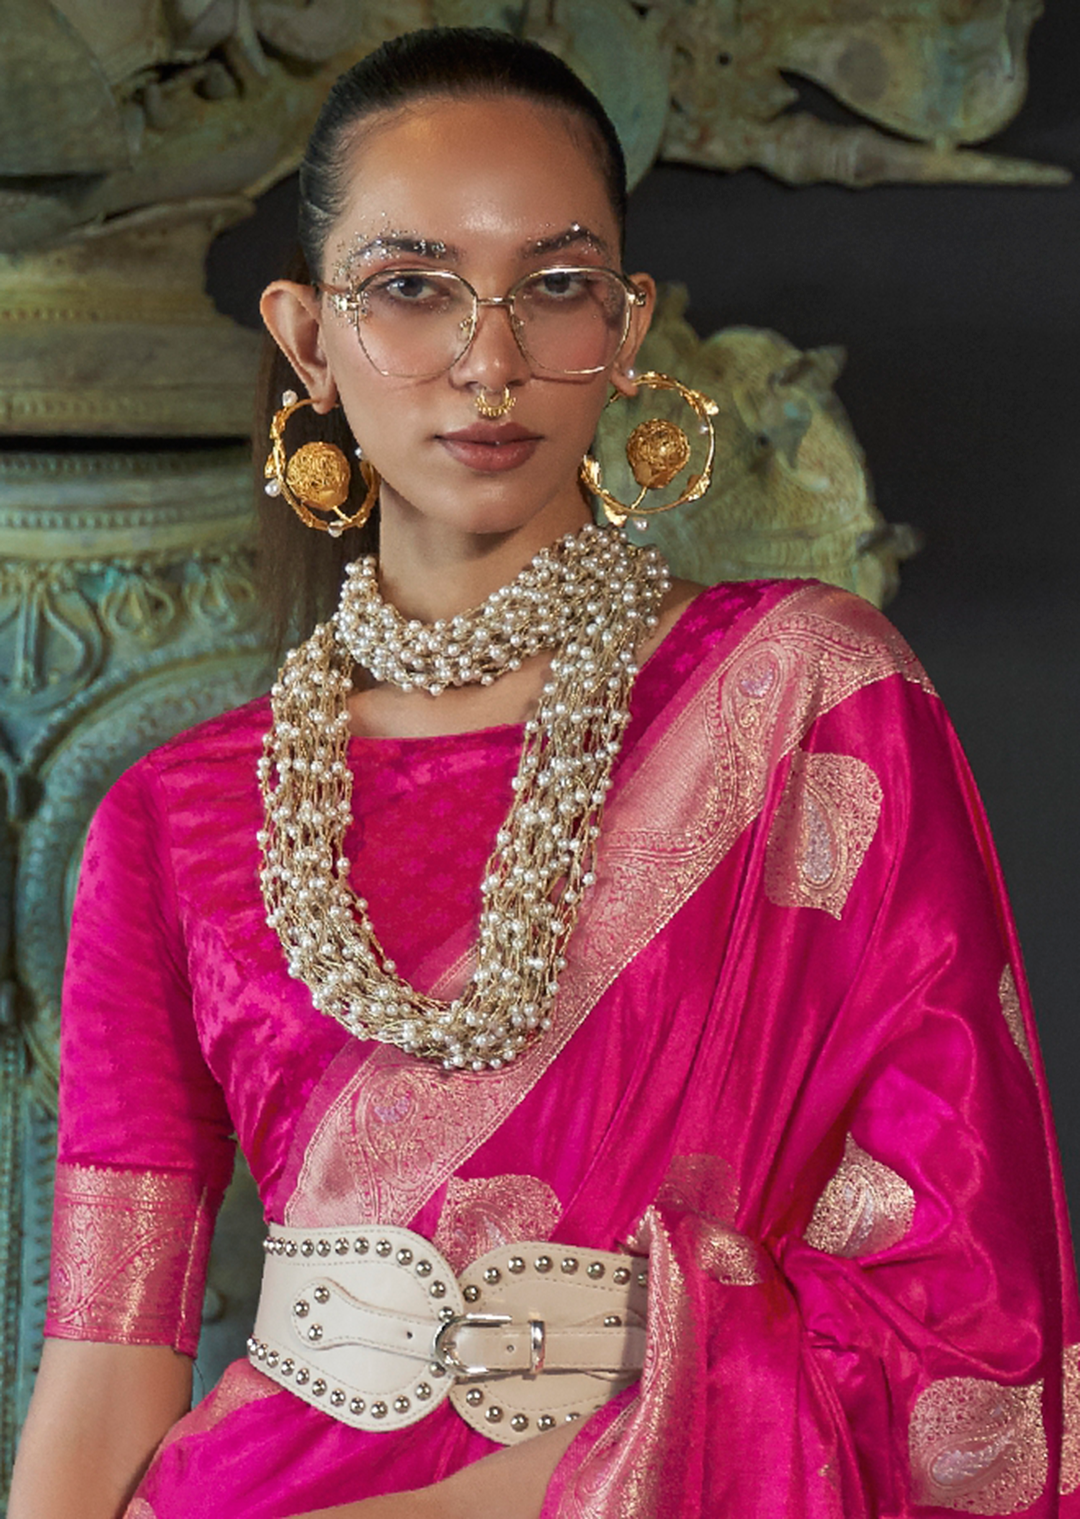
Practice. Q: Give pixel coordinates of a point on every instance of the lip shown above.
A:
(490, 447)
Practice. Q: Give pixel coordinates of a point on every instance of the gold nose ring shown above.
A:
(494, 409)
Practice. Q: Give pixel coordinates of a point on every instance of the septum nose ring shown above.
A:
(492, 410)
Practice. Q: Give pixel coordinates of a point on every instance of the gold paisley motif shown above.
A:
(489, 1211)
(728, 1256)
(593, 1488)
(700, 1183)
(705, 1187)
(397, 1131)
(240, 1385)
(1069, 1480)
(1014, 1016)
(129, 1257)
(865, 1207)
(825, 823)
(978, 1447)
(372, 1156)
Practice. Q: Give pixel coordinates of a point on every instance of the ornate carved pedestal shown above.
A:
(127, 612)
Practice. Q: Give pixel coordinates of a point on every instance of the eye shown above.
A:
(408, 286)
(408, 290)
(559, 284)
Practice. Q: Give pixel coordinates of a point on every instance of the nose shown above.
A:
(494, 358)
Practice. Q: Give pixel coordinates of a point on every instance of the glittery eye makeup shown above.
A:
(365, 250)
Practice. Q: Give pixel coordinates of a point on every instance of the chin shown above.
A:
(495, 523)
(494, 509)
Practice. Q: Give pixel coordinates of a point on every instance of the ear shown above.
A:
(622, 371)
(293, 315)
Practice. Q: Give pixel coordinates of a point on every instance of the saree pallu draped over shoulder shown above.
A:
(792, 1059)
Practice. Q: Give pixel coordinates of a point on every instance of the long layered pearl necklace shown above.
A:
(592, 598)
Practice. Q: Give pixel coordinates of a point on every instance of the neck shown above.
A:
(429, 569)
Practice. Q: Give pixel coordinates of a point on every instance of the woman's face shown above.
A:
(492, 189)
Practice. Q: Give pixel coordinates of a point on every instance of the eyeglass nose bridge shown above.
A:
(471, 325)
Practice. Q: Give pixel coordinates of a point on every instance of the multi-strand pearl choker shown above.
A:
(536, 611)
(592, 598)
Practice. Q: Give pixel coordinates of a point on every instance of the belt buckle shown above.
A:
(462, 1372)
(530, 1287)
(451, 1361)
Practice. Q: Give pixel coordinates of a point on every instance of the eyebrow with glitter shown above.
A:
(560, 240)
(395, 242)
(424, 247)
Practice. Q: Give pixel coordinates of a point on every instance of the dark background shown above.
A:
(959, 309)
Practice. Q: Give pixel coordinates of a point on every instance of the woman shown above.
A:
(788, 1075)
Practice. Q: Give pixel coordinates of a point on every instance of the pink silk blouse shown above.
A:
(792, 1057)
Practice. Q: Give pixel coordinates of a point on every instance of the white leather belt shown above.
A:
(370, 1325)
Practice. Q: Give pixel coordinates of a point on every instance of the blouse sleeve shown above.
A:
(144, 1145)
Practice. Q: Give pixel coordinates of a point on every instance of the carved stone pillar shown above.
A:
(127, 612)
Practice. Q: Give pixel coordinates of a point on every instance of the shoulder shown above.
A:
(763, 661)
(842, 639)
(824, 669)
(234, 737)
(809, 626)
(216, 758)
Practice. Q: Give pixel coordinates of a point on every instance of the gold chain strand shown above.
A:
(595, 597)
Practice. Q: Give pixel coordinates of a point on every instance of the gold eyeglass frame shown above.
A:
(348, 300)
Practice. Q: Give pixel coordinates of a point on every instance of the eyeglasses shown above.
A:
(417, 323)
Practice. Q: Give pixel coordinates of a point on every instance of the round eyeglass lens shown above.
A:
(571, 321)
(413, 323)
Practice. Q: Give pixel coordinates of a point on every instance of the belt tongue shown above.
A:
(488, 1350)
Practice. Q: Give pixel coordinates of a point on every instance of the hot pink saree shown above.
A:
(792, 1059)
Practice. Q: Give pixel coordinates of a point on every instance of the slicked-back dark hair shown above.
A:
(301, 570)
(441, 61)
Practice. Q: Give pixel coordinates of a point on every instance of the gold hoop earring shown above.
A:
(657, 451)
(495, 409)
(316, 478)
